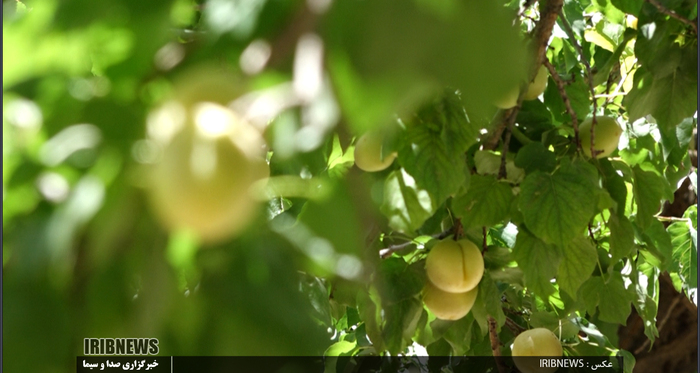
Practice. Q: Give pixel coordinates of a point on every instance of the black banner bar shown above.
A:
(349, 364)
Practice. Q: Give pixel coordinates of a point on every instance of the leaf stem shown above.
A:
(520, 136)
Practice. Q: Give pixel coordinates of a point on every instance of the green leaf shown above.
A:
(541, 319)
(460, 333)
(534, 118)
(656, 236)
(611, 13)
(489, 163)
(628, 6)
(370, 313)
(398, 281)
(578, 261)
(611, 297)
(628, 361)
(401, 323)
(381, 56)
(579, 96)
(621, 237)
(433, 144)
(534, 157)
(615, 185)
(557, 207)
(340, 348)
(669, 99)
(406, 206)
(649, 189)
(314, 288)
(646, 299)
(538, 260)
(334, 219)
(486, 202)
(490, 297)
(674, 141)
(685, 252)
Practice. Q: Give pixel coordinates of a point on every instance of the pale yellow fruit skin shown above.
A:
(509, 100)
(448, 306)
(202, 181)
(534, 90)
(455, 266)
(607, 136)
(537, 87)
(535, 342)
(368, 153)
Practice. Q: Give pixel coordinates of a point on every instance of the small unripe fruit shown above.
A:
(534, 90)
(455, 266)
(368, 153)
(448, 306)
(535, 342)
(508, 100)
(607, 136)
(537, 87)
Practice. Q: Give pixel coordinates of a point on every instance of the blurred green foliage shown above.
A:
(85, 257)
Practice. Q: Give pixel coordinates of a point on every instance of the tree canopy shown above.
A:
(185, 170)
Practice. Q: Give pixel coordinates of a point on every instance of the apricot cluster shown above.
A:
(454, 270)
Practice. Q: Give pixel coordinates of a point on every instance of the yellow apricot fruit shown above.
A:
(455, 266)
(448, 306)
(607, 136)
(537, 87)
(534, 90)
(368, 153)
(209, 160)
(535, 342)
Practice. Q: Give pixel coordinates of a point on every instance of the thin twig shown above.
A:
(483, 244)
(673, 14)
(513, 326)
(663, 322)
(671, 219)
(458, 231)
(496, 345)
(509, 125)
(577, 46)
(498, 125)
(607, 88)
(590, 233)
(386, 252)
(567, 102)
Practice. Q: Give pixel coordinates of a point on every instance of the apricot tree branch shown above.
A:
(673, 14)
(540, 37)
(496, 345)
(513, 326)
(589, 79)
(567, 102)
(386, 252)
